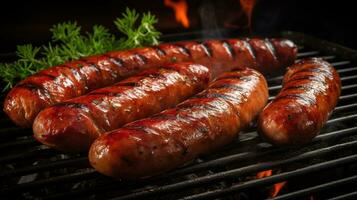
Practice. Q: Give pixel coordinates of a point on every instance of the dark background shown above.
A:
(30, 21)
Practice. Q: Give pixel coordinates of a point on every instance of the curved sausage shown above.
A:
(201, 124)
(74, 124)
(75, 78)
(310, 92)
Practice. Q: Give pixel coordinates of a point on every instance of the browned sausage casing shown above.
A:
(201, 124)
(74, 124)
(311, 89)
(79, 77)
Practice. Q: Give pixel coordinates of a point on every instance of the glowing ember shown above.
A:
(180, 8)
(247, 8)
(264, 174)
(276, 187)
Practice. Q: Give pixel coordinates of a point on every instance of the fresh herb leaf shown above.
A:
(68, 43)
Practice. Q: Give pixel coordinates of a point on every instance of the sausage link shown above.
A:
(201, 124)
(74, 124)
(79, 77)
(310, 92)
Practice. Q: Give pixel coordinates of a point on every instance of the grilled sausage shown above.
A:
(311, 89)
(74, 124)
(79, 77)
(201, 124)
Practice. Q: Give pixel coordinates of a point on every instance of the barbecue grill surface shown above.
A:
(325, 168)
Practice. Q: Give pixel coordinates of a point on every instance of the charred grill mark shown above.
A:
(93, 65)
(109, 94)
(203, 129)
(207, 49)
(31, 86)
(306, 77)
(35, 88)
(271, 48)
(191, 105)
(184, 50)
(302, 97)
(142, 58)
(170, 68)
(136, 127)
(214, 95)
(229, 49)
(127, 161)
(227, 85)
(72, 105)
(128, 84)
(159, 51)
(163, 116)
(46, 75)
(250, 48)
(240, 77)
(117, 61)
(315, 70)
(156, 75)
(298, 87)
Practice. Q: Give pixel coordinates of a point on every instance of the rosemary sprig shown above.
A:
(68, 43)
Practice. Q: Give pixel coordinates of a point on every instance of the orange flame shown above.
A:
(247, 7)
(180, 8)
(276, 187)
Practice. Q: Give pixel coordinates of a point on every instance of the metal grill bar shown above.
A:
(249, 169)
(345, 78)
(305, 192)
(352, 195)
(275, 178)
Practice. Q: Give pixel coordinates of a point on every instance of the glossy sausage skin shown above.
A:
(79, 77)
(74, 124)
(199, 125)
(310, 92)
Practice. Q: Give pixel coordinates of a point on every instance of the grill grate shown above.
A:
(32, 171)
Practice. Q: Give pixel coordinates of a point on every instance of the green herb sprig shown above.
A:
(68, 43)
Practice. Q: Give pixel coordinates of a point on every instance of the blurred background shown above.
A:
(30, 21)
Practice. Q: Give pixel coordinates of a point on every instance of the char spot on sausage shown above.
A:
(207, 49)
(127, 161)
(202, 129)
(229, 49)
